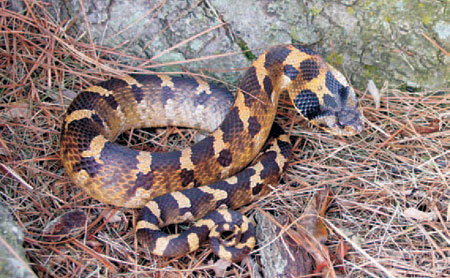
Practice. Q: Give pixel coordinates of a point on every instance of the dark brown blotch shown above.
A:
(203, 150)
(168, 206)
(276, 56)
(225, 158)
(305, 49)
(90, 101)
(147, 79)
(197, 197)
(219, 90)
(257, 189)
(166, 94)
(335, 87)
(177, 246)
(238, 191)
(250, 86)
(187, 177)
(84, 130)
(268, 87)
(113, 84)
(309, 69)
(232, 125)
(119, 156)
(308, 104)
(330, 101)
(89, 165)
(290, 72)
(270, 165)
(201, 98)
(144, 181)
(185, 83)
(147, 215)
(111, 101)
(137, 93)
(243, 178)
(253, 126)
(98, 121)
(285, 148)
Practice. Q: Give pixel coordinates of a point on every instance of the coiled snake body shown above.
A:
(188, 185)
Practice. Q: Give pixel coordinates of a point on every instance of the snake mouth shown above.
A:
(342, 123)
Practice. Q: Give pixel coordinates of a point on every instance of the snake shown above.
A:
(238, 162)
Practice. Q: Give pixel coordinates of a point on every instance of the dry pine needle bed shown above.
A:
(389, 208)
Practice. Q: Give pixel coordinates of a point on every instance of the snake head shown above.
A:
(339, 115)
(344, 122)
(333, 107)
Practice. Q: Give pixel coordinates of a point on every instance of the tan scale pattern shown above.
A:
(244, 112)
(161, 244)
(185, 159)
(131, 81)
(145, 160)
(146, 225)
(182, 200)
(154, 208)
(203, 86)
(225, 254)
(166, 80)
(217, 193)
(194, 242)
(99, 90)
(95, 148)
(78, 115)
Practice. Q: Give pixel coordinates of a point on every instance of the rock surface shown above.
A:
(12, 255)
(279, 256)
(395, 41)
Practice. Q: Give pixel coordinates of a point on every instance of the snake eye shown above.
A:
(340, 125)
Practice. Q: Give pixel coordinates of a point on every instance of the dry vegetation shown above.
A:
(390, 206)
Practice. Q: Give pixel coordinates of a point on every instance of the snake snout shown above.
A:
(346, 122)
(349, 122)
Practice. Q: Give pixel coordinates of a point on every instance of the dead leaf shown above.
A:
(313, 214)
(433, 126)
(338, 257)
(68, 224)
(284, 257)
(220, 267)
(419, 215)
(96, 245)
(17, 110)
(373, 90)
(313, 233)
(114, 216)
(342, 250)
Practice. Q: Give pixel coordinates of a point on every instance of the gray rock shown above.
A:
(279, 256)
(380, 40)
(12, 254)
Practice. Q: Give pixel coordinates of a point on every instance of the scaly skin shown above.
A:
(120, 176)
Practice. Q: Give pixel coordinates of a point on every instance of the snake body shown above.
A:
(204, 181)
